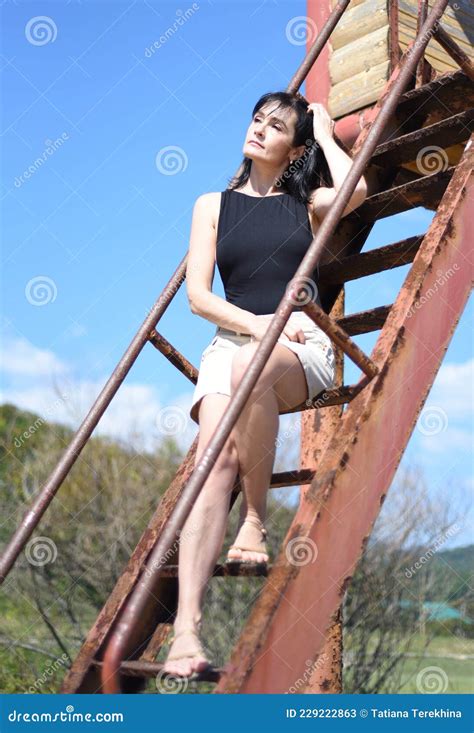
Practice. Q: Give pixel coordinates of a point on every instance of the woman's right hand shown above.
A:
(260, 325)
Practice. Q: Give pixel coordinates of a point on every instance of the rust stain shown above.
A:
(345, 584)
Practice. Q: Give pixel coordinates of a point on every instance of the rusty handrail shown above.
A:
(72, 452)
(143, 335)
(117, 645)
(423, 71)
(455, 51)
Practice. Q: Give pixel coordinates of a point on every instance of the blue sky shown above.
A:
(132, 122)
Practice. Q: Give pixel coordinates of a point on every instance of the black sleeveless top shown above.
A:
(260, 244)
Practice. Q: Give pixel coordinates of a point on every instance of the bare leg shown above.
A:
(201, 539)
(282, 383)
(204, 530)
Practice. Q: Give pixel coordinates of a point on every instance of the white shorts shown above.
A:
(316, 357)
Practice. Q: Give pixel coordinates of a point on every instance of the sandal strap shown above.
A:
(248, 549)
(187, 630)
(199, 652)
(257, 523)
(190, 655)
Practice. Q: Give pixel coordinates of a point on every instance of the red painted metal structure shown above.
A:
(298, 608)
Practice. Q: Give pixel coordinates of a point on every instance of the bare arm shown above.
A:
(339, 164)
(200, 270)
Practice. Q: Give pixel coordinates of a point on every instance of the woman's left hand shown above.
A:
(323, 125)
(290, 332)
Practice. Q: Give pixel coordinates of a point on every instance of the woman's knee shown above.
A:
(228, 458)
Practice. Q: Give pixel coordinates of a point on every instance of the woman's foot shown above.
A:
(186, 655)
(249, 545)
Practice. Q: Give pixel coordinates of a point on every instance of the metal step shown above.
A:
(223, 570)
(154, 669)
(448, 94)
(405, 149)
(353, 267)
(427, 192)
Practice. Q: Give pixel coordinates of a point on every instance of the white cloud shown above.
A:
(20, 356)
(452, 389)
(135, 416)
(444, 426)
(39, 382)
(448, 442)
(42, 383)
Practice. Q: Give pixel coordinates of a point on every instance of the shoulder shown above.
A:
(208, 204)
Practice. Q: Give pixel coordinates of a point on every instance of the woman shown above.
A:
(257, 232)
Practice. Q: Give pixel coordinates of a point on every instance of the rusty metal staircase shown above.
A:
(300, 602)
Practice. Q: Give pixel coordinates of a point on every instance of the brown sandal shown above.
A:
(231, 560)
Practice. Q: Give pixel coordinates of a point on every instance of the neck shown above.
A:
(262, 179)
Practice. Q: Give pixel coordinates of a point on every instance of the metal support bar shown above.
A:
(341, 339)
(455, 51)
(424, 69)
(394, 43)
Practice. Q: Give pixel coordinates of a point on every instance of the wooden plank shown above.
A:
(360, 20)
(353, 3)
(358, 91)
(368, 51)
(462, 16)
(460, 34)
